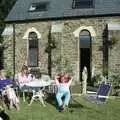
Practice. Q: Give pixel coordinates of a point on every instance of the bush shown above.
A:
(8, 74)
(96, 80)
(115, 80)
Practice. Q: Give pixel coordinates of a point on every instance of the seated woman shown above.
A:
(63, 83)
(24, 76)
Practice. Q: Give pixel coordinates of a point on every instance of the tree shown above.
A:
(5, 7)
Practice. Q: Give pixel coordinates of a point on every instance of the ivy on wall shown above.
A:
(114, 40)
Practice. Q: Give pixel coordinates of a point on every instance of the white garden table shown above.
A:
(36, 86)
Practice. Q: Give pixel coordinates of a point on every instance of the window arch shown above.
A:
(32, 49)
(85, 39)
(87, 28)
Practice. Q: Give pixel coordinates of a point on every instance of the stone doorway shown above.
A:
(85, 56)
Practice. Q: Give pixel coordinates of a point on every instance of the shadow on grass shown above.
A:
(4, 116)
(28, 96)
(51, 100)
(73, 103)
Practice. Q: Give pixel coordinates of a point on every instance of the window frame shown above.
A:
(36, 46)
(75, 6)
(34, 7)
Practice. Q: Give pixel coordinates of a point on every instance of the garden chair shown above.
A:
(102, 94)
(51, 88)
(37, 95)
(70, 103)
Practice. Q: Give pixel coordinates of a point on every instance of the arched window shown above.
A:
(33, 50)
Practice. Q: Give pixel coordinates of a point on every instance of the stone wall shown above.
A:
(114, 52)
(22, 44)
(8, 53)
(65, 57)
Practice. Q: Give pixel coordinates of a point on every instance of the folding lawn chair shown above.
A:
(102, 94)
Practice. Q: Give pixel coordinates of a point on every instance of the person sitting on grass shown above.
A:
(63, 83)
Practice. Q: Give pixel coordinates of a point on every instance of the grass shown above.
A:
(80, 110)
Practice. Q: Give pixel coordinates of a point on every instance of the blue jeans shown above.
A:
(63, 92)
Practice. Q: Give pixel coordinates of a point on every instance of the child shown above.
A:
(12, 98)
(63, 83)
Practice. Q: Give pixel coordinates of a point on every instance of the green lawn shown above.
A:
(80, 109)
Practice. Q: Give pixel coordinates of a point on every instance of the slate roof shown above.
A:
(59, 9)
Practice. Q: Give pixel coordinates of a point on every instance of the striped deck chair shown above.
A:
(102, 94)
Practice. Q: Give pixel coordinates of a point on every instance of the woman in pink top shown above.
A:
(63, 83)
(24, 76)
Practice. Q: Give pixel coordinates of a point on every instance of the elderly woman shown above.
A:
(24, 76)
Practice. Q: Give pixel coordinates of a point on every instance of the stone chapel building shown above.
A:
(64, 35)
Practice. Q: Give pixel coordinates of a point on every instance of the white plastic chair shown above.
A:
(37, 96)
